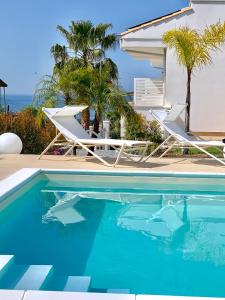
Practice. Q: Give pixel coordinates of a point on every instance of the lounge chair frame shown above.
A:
(175, 140)
(73, 141)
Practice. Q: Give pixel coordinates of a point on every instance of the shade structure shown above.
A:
(3, 84)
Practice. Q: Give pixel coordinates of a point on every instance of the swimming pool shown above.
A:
(160, 234)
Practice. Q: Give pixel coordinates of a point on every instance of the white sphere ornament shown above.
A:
(10, 143)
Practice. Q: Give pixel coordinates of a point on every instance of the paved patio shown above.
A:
(12, 163)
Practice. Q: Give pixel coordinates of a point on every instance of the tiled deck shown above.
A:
(12, 163)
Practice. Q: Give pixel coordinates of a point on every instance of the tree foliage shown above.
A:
(194, 51)
(83, 74)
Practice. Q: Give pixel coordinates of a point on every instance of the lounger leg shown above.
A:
(167, 150)
(125, 154)
(209, 154)
(128, 156)
(69, 150)
(143, 154)
(49, 146)
(94, 154)
(119, 156)
(154, 151)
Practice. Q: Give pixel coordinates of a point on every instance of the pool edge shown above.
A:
(48, 295)
(13, 182)
(131, 172)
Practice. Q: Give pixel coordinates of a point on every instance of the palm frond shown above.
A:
(47, 90)
(192, 48)
(214, 35)
(65, 33)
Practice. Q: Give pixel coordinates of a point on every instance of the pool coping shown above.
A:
(128, 173)
(24, 175)
(16, 180)
(13, 182)
(45, 295)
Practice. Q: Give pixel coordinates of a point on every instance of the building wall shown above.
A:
(208, 85)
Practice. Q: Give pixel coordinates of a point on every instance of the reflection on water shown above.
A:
(193, 225)
(64, 211)
(143, 239)
(159, 219)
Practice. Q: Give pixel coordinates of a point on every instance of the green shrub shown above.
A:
(24, 124)
(137, 128)
(114, 119)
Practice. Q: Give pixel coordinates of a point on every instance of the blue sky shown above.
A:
(28, 30)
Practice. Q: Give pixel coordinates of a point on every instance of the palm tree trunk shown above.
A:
(85, 122)
(67, 98)
(85, 116)
(96, 123)
(85, 119)
(188, 107)
(96, 128)
(188, 101)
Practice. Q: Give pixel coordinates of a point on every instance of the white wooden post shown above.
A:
(106, 128)
(101, 133)
(122, 127)
(91, 130)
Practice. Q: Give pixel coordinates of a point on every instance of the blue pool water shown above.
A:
(145, 235)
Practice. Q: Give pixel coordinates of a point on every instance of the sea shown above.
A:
(18, 102)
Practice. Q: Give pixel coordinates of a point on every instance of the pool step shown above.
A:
(118, 291)
(12, 275)
(34, 277)
(77, 284)
(5, 263)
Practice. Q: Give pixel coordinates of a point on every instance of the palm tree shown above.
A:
(193, 50)
(78, 66)
(104, 93)
(88, 43)
(60, 56)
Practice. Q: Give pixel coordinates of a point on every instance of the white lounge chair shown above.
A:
(177, 137)
(75, 136)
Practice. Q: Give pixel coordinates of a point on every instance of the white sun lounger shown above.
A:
(75, 135)
(177, 137)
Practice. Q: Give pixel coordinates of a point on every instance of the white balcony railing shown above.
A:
(148, 92)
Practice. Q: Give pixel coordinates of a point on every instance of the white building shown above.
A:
(144, 41)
